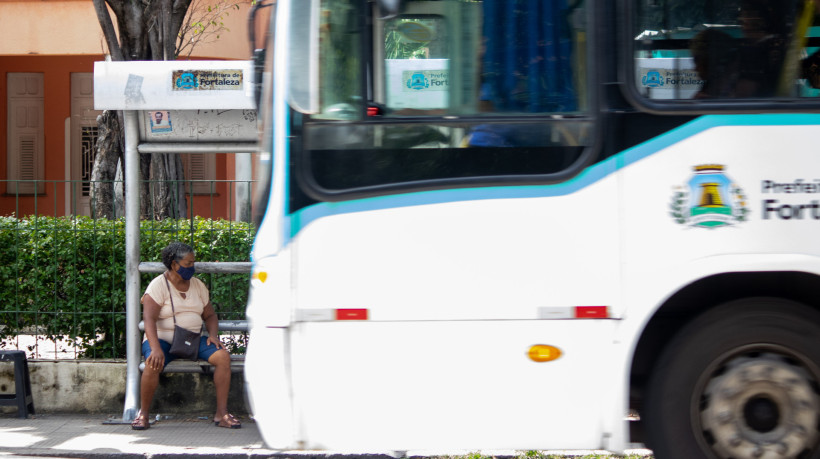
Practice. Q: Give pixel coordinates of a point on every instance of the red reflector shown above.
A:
(373, 111)
(591, 312)
(351, 314)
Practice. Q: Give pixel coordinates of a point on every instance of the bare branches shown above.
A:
(161, 29)
(204, 23)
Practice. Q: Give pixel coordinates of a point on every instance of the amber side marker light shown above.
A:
(543, 353)
(261, 275)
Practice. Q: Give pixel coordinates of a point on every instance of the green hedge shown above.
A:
(65, 277)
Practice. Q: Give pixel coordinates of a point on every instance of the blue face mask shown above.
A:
(186, 273)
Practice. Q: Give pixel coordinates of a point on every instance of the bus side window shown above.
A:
(487, 91)
(463, 58)
(534, 69)
(740, 49)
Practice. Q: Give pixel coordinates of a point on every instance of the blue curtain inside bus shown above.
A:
(528, 56)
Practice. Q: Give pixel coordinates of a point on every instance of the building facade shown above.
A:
(47, 119)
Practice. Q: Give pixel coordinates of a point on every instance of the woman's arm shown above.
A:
(212, 325)
(150, 314)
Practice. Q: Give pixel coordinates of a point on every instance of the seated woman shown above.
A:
(177, 296)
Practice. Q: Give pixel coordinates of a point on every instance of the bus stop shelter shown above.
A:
(172, 107)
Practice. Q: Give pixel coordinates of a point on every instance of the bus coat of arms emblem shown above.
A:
(709, 200)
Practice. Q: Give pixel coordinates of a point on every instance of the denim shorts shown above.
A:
(205, 350)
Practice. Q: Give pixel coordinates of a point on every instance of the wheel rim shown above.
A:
(760, 404)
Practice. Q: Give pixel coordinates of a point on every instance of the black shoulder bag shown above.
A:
(186, 343)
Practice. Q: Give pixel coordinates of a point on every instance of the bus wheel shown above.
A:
(740, 381)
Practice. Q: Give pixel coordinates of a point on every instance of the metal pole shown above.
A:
(132, 260)
(243, 179)
(220, 267)
(200, 147)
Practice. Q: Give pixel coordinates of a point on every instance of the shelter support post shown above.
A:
(132, 260)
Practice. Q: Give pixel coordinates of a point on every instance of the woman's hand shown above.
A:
(216, 342)
(150, 314)
(212, 325)
(156, 360)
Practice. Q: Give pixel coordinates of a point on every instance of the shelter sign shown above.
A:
(206, 80)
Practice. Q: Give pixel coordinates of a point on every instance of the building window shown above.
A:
(88, 139)
(200, 172)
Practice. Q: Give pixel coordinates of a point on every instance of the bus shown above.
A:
(538, 225)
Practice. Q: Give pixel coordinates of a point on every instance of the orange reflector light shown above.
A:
(261, 275)
(543, 353)
(351, 314)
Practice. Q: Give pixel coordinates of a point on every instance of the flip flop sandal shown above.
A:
(229, 421)
(140, 422)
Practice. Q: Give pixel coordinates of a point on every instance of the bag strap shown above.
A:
(171, 296)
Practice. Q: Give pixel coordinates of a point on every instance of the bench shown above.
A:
(201, 366)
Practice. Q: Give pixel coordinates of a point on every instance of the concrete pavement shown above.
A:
(95, 436)
(175, 437)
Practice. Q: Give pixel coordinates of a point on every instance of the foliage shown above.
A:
(64, 277)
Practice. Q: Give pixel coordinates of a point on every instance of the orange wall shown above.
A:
(71, 27)
(57, 79)
(215, 206)
(58, 37)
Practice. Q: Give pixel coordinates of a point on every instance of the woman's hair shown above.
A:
(174, 252)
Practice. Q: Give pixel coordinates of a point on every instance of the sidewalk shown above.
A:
(98, 437)
(89, 436)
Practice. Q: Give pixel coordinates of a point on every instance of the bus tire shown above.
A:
(739, 381)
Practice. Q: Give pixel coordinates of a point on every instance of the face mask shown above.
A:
(186, 273)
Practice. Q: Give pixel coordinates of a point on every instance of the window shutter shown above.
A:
(26, 150)
(25, 132)
(199, 167)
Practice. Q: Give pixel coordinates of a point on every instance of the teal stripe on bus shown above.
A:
(592, 174)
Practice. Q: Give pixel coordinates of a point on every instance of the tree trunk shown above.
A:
(108, 155)
(167, 193)
(148, 30)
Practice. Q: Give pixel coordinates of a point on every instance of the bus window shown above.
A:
(737, 49)
(485, 90)
(340, 64)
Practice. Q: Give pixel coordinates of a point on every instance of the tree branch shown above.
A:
(109, 33)
(203, 23)
(177, 17)
(132, 21)
(167, 38)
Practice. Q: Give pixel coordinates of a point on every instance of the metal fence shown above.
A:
(62, 272)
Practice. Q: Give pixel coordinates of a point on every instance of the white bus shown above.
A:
(538, 225)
